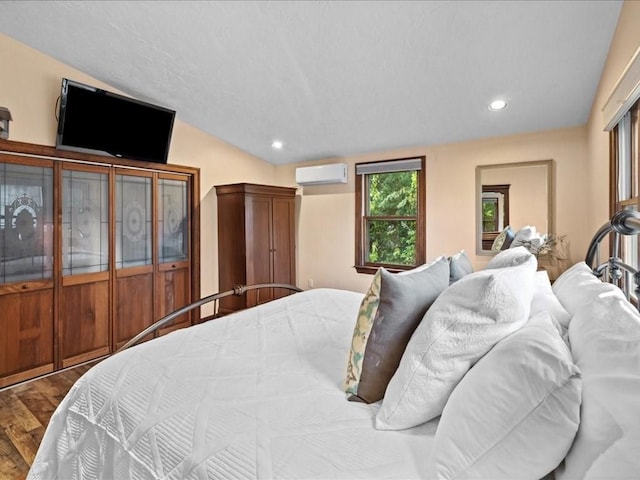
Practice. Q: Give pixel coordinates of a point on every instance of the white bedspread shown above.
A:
(257, 394)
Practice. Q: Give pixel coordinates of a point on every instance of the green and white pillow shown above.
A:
(499, 242)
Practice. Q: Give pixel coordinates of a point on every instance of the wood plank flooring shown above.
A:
(25, 411)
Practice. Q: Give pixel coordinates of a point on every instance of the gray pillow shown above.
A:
(508, 240)
(459, 266)
(390, 312)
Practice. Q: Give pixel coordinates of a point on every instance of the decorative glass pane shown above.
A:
(393, 194)
(26, 223)
(133, 221)
(172, 221)
(391, 241)
(85, 222)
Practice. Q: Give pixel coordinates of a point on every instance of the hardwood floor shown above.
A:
(25, 411)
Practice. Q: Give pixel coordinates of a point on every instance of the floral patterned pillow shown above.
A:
(499, 242)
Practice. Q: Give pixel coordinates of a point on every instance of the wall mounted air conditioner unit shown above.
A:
(322, 174)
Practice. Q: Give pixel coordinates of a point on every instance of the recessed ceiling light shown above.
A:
(277, 144)
(498, 105)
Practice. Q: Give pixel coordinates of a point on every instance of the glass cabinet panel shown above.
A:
(173, 227)
(133, 221)
(26, 223)
(85, 222)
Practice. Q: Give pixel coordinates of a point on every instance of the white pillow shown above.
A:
(515, 413)
(464, 322)
(545, 300)
(605, 341)
(511, 257)
(523, 235)
(578, 286)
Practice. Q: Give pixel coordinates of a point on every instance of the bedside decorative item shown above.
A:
(5, 118)
(546, 245)
(552, 253)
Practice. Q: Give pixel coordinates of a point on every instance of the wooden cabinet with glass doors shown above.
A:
(91, 254)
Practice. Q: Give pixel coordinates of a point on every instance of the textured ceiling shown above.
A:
(335, 78)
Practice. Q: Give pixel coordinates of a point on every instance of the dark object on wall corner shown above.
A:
(97, 121)
(5, 118)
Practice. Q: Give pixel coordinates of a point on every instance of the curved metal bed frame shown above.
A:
(614, 270)
(237, 291)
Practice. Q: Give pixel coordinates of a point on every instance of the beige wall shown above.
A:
(29, 87)
(626, 41)
(326, 232)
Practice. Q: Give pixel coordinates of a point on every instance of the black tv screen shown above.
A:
(96, 121)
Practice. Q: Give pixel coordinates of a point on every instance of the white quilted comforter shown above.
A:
(257, 394)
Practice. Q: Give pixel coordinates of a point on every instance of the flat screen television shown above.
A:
(96, 121)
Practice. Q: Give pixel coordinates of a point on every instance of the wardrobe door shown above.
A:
(283, 243)
(85, 299)
(231, 248)
(173, 278)
(26, 268)
(259, 253)
(133, 289)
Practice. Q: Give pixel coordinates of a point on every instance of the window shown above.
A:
(625, 175)
(390, 214)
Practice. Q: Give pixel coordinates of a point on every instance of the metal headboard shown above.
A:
(614, 270)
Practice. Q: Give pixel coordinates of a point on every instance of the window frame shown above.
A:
(632, 178)
(361, 197)
(488, 237)
(624, 193)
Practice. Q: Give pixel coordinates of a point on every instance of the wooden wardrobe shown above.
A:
(256, 241)
(93, 249)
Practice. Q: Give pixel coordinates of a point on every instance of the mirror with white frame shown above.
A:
(514, 195)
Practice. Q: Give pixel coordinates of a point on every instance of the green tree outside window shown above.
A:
(490, 215)
(391, 217)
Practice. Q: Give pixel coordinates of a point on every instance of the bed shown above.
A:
(261, 393)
